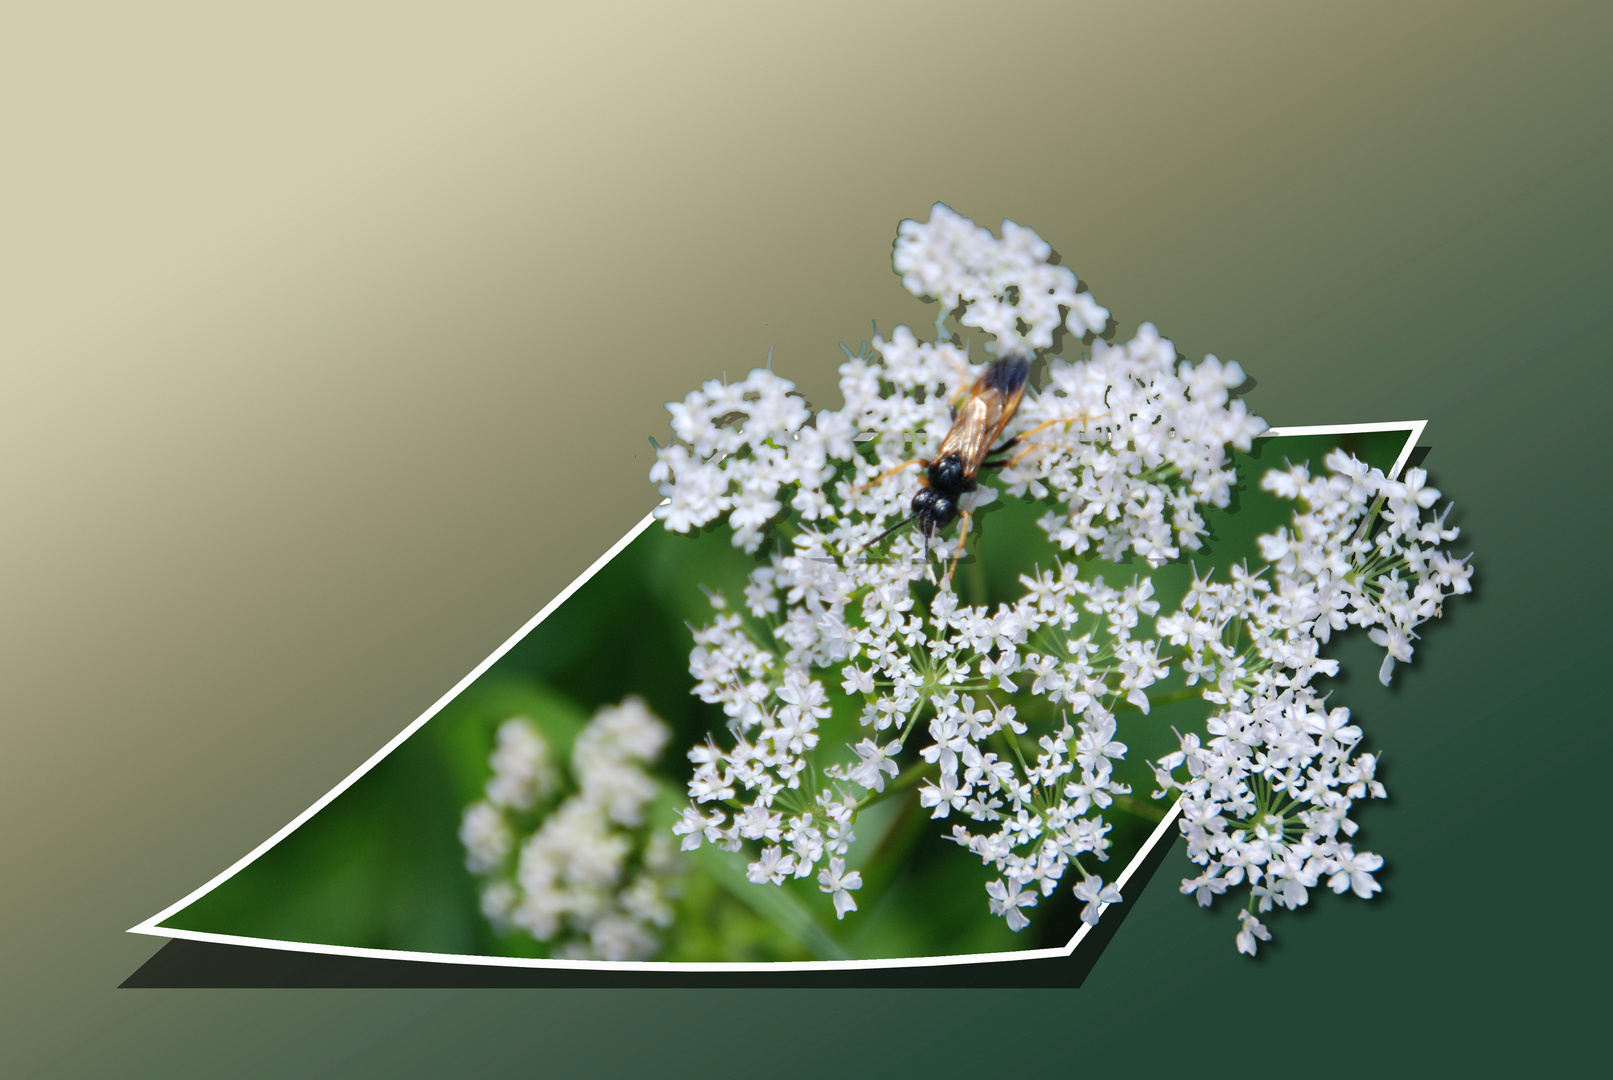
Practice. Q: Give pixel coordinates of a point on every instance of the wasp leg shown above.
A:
(1020, 439)
(888, 474)
(1017, 458)
(963, 534)
(1048, 424)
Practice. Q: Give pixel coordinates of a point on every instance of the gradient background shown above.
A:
(331, 335)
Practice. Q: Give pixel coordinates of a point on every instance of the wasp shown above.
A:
(977, 423)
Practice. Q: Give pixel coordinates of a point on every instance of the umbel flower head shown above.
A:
(1006, 717)
(565, 855)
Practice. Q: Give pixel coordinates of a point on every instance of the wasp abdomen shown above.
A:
(1007, 376)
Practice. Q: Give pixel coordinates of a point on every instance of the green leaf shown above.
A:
(780, 907)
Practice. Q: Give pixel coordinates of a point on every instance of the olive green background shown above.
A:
(331, 335)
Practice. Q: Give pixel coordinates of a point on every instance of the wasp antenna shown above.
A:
(900, 524)
(655, 444)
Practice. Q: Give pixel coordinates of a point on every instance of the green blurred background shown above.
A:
(333, 334)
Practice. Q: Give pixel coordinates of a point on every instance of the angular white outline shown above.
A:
(1414, 428)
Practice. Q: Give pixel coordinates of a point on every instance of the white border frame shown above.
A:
(1414, 430)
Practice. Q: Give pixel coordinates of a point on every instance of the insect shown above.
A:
(976, 424)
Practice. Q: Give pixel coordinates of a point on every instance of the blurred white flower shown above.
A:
(588, 878)
(523, 774)
(486, 836)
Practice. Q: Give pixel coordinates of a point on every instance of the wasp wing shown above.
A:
(985, 411)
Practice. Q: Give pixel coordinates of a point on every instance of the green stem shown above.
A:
(1013, 744)
(1187, 693)
(1145, 809)
(905, 779)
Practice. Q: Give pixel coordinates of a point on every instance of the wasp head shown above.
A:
(934, 511)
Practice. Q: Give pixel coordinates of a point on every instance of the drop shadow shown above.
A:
(206, 965)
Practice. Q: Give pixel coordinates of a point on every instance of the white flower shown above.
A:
(695, 826)
(1398, 642)
(1251, 929)
(1355, 872)
(773, 866)
(1096, 894)
(834, 879)
(1007, 900)
(876, 761)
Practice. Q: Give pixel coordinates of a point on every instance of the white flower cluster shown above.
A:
(1041, 793)
(587, 875)
(1267, 798)
(739, 444)
(1132, 478)
(1009, 288)
(1124, 448)
(1346, 576)
(1044, 795)
(774, 706)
